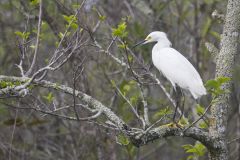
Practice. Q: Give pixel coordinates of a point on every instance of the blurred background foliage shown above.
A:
(36, 136)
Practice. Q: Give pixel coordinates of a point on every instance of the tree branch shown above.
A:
(84, 97)
(37, 41)
(137, 136)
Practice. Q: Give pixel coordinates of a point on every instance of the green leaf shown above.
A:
(70, 19)
(187, 146)
(162, 112)
(184, 121)
(214, 86)
(126, 88)
(76, 6)
(102, 18)
(192, 150)
(61, 35)
(132, 82)
(49, 97)
(222, 80)
(67, 18)
(113, 83)
(216, 35)
(26, 35)
(32, 46)
(18, 33)
(4, 84)
(198, 149)
(203, 125)
(120, 31)
(34, 2)
(212, 83)
(134, 99)
(190, 157)
(74, 26)
(200, 109)
(122, 139)
(130, 58)
(122, 46)
(23, 35)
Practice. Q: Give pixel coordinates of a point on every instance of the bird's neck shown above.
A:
(163, 43)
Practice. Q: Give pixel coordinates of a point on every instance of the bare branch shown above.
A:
(145, 107)
(155, 123)
(201, 117)
(38, 39)
(84, 97)
(12, 136)
(234, 140)
(138, 137)
(129, 103)
(75, 77)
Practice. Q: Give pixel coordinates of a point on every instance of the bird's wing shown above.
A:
(176, 68)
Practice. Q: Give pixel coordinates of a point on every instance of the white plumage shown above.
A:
(174, 66)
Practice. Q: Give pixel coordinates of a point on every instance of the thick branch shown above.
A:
(84, 97)
(138, 137)
(168, 131)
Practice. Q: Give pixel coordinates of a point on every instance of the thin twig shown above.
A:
(201, 117)
(75, 77)
(38, 39)
(155, 123)
(234, 140)
(130, 104)
(58, 115)
(65, 33)
(12, 136)
(145, 107)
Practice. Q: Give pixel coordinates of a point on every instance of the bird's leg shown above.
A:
(175, 112)
(182, 105)
(178, 102)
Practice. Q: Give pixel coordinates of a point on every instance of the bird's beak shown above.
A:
(139, 43)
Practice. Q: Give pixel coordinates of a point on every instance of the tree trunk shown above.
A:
(224, 68)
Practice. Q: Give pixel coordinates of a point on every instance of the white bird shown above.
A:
(173, 65)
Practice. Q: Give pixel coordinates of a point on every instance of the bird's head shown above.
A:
(155, 36)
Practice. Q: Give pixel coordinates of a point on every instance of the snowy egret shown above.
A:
(173, 65)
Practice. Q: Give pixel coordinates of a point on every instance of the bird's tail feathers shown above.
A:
(198, 91)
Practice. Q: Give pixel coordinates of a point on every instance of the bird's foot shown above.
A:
(175, 124)
(178, 124)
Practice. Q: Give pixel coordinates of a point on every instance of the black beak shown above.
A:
(139, 43)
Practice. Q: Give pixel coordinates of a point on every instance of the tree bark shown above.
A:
(214, 140)
(224, 68)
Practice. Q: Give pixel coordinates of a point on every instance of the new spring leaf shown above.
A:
(120, 31)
